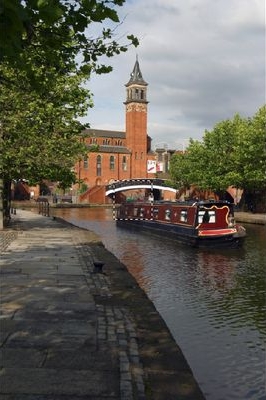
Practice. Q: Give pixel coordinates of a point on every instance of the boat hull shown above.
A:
(185, 234)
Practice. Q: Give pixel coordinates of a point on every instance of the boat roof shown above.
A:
(195, 203)
(185, 203)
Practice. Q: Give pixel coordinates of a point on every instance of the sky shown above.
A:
(203, 60)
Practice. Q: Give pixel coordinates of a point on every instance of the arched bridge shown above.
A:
(120, 186)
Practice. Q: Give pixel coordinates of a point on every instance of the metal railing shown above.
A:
(44, 207)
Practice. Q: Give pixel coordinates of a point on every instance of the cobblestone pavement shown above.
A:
(69, 332)
(115, 327)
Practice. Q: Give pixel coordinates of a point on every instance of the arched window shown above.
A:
(85, 162)
(112, 163)
(99, 166)
(124, 163)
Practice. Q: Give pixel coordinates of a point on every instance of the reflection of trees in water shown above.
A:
(237, 287)
(249, 294)
(216, 271)
(133, 259)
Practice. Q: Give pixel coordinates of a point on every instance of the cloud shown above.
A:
(204, 61)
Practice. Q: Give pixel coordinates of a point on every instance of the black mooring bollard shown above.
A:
(98, 267)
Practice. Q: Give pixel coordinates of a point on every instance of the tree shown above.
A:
(47, 54)
(61, 30)
(232, 154)
(40, 132)
(251, 152)
(185, 167)
(251, 159)
(221, 145)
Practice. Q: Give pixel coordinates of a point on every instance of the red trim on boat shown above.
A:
(217, 232)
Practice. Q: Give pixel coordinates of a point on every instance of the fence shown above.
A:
(44, 207)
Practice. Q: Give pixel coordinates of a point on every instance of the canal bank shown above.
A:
(240, 216)
(71, 332)
(250, 218)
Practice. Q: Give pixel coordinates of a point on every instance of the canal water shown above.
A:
(212, 301)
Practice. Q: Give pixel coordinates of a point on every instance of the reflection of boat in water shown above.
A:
(208, 224)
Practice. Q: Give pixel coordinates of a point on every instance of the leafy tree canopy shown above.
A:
(232, 154)
(46, 56)
(59, 31)
(40, 131)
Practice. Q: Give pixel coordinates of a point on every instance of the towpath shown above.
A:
(69, 332)
(250, 218)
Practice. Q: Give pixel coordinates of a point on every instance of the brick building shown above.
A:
(119, 155)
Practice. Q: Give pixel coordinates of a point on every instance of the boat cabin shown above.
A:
(204, 214)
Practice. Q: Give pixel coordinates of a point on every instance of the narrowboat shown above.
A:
(204, 224)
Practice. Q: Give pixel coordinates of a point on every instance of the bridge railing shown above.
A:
(135, 182)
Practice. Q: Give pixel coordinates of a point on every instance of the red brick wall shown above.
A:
(136, 135)
(89, 175)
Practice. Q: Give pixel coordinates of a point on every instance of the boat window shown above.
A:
(141, 214)
(136, 211)
(167, 214)
(155, 213)
(183, 216)
(206, 216)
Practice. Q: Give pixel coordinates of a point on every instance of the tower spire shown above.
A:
(136, 75)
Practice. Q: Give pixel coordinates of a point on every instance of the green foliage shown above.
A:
(65, 177)
(59, 31)
(83, 188)
(47, 54)
(232, 154)
(39, 130)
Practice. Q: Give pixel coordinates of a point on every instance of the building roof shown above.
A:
(111, 149)
(104, 133)
(136, 76)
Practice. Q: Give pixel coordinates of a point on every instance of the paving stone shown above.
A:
(82, 358)
(21, 358)
(68, 333)
(57, 381)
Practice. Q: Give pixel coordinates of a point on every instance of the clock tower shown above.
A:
(136, 122)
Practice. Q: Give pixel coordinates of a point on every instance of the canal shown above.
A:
(212, 301)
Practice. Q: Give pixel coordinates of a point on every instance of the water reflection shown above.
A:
(213, 302)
